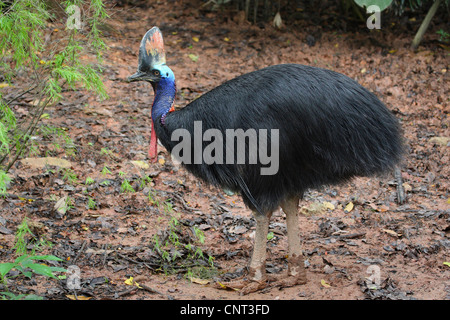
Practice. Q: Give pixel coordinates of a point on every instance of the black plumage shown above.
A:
(330, 129)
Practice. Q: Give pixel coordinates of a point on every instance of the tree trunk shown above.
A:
(425, 24)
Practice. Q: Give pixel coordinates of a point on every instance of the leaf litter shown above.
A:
(345, 230)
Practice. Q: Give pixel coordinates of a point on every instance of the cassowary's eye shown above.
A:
(155, 72)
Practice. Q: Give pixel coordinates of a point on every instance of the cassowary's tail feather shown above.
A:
(243, 186)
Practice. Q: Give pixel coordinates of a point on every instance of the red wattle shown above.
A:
(153, 151)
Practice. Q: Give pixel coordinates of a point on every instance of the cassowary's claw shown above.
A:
(244, 286)
(286, 281)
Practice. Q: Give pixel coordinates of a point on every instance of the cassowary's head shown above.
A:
(152, 59)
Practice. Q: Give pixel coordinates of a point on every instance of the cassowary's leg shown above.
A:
(257, 270)
(296, 268)
(256, 279)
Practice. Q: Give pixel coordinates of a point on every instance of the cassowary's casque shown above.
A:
(321, 128)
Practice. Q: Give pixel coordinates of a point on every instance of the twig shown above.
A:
(126, 258)
(21, 94)
(80, 251)
(401, 197)
(29, 132)
(149, 289)
(352, 235)
(129, 291)
(183, 202)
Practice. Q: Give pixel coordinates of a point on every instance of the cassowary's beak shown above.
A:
(136, 77)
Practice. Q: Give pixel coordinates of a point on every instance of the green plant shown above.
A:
(57, 137)
(105, 183)
(22, 231)
(443, 36)
(70, 176)
(126, 187)
(26, 264)
(43, 68)
(89, 181)
(178, 248)
(152, 198)
(145, 180)
(91, 203)
(105, 151)
(105, 171)
(4, 180)
(64, 204)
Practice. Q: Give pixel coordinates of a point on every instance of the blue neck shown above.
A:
(165, 92)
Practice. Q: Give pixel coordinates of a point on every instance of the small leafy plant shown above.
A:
(443, 36)
(179, 248)
(26, 264)
(126, 187)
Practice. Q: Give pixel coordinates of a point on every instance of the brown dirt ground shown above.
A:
(409, 243)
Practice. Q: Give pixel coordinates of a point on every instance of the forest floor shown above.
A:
(178, 237)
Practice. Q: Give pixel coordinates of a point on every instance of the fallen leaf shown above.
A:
(4, 85)
(325, 284)
(329, 205)
(42, 162)
(72, 297)
(161, 161)
(122, 230)
(226, 287)
(130, 281)
(140, 164)
(61, 205)
(447, 264)
(277, 21)
(407, 187)
(195, 39)
(98, 251)
(193, 57)
(199, 281)
(315, 208)
(442, 141)
(392, 233)
(348, 207)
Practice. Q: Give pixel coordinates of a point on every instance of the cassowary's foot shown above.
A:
(296, 274)
(254, 281)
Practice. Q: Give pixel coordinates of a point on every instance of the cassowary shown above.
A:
(319, 127)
